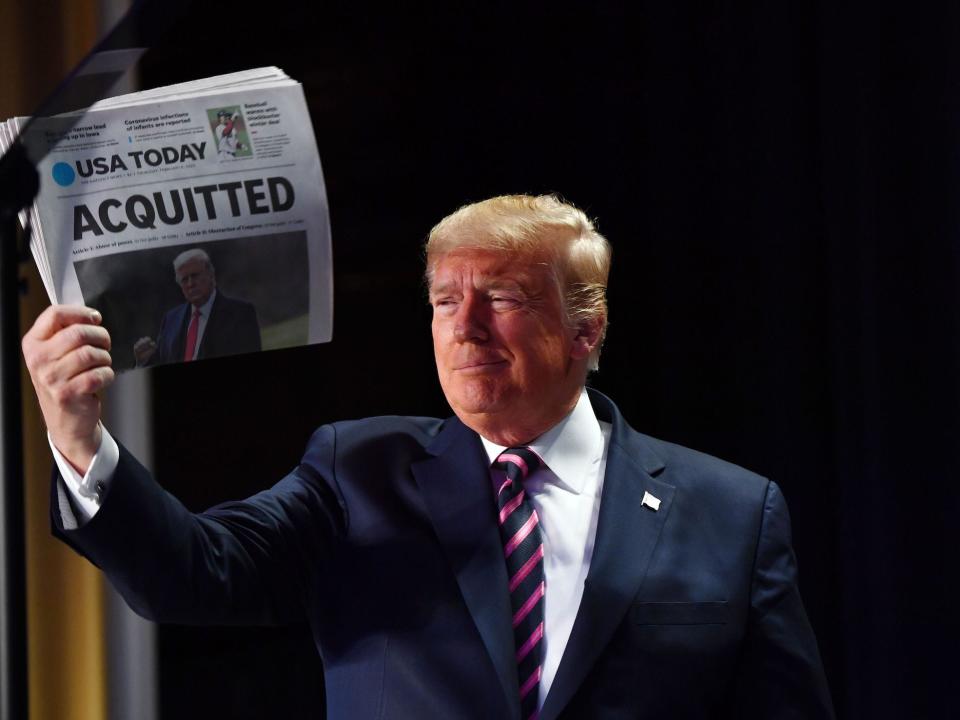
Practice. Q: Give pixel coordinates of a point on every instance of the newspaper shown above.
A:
(206, 196)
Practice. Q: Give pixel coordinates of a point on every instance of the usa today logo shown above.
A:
(63, 174)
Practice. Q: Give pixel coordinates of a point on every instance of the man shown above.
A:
(208, 324)
(532, 556)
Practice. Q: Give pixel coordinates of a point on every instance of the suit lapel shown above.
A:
(459, 497)
(627, 534)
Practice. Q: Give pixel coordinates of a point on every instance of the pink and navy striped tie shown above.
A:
(523, 548)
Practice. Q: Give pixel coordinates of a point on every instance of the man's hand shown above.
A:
(143, 350)
(66, 352)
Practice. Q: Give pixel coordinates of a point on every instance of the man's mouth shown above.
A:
(481, 365)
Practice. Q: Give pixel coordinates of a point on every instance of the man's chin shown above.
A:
(479, 399)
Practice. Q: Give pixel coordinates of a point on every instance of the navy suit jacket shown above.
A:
(232, 329)
(385, 539)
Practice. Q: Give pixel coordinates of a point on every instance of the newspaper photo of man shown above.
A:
(208, 324)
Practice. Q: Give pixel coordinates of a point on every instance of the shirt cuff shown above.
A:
(87, 493)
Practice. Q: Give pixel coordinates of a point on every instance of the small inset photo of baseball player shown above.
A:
(229, 132)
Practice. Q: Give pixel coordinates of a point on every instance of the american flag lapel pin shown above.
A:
(650, 501)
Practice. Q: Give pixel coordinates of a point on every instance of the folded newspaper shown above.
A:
(193, 217)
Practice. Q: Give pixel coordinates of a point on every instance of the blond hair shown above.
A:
(536, 225)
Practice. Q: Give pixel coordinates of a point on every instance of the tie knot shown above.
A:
(196, 312)
(518, 462)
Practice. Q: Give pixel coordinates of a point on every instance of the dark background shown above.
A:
(779, 182)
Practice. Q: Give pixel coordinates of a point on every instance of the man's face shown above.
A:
(195, 279)
(509, 365)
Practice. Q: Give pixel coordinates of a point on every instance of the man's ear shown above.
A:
(589, 334)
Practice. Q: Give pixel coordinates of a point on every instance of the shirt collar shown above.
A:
(570, 448)
(205, 308)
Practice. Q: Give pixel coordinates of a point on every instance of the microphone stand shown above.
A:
(19, 184)
(144, 24)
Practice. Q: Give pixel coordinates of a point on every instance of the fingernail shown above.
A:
(95, 316)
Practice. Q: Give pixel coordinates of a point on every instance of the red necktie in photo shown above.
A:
(192, 335)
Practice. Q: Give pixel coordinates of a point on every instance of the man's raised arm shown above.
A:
(251, 561)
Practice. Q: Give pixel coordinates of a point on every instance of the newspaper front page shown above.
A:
(205, 199)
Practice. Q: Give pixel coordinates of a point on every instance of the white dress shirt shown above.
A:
(87, 492)
(565, 493)
(566, 496)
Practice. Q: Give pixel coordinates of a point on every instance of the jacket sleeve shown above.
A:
(256, 561)
(780, 674)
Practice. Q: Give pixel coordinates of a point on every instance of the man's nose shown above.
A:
(471, 322)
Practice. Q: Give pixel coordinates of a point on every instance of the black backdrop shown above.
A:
(779, 182)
